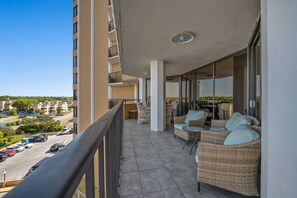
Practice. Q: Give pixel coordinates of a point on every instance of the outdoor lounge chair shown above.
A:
(143, 115)
(231, 167)
(193, 118)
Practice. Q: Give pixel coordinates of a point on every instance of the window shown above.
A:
(75, 128)
(74, 28)
(75, 11)
(74, 44)
(74, 78)
(74, 94)
(75, 111)
(75, 61)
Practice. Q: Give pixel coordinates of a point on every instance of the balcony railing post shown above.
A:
(101, 168)
(90, 184)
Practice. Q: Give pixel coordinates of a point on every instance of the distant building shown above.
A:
(6, 105)
(51, 108)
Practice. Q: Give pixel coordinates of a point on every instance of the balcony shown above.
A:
(110, 25)
(113, 51)
(115, 77)
(153, 164)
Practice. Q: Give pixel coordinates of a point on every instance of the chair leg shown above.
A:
(198, 186)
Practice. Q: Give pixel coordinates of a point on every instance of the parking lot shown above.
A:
(17, 166)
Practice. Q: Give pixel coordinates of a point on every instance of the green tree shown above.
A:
(23, 104)
(7, 131)
(1, 135)
(13, 112)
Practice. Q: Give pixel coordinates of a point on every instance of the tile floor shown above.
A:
(154, 165)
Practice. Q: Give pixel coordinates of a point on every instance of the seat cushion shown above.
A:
(236, 121)
(180, 126)
(194, 115)
(241, 135)
(218, 129)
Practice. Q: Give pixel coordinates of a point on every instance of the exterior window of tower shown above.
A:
(75, 44)
(74, 28)
(75, 11)
(75, 61)
(74, 78)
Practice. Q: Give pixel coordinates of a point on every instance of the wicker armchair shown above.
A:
(181, 120)
(144, 116)
(233, 168)
(219, 125)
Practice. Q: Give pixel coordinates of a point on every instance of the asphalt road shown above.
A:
(17, 166)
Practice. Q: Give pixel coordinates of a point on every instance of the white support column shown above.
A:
(279, 93)
(142, 90)
(158, 117)
(135, 92)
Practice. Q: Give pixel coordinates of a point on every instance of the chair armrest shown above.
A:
(179, 119)
(234, 168)
(218, 123)
(221, 156)
(199, 123)
(213, 137)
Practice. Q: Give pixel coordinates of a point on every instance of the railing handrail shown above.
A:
(61, 174)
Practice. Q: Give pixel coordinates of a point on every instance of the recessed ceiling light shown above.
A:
(183, 38)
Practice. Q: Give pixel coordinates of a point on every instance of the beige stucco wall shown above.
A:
(123, 92)
(126, 77)
(116, 67)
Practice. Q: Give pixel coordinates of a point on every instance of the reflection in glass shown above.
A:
(258, 80)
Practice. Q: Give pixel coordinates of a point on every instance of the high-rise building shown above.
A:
(100, 72)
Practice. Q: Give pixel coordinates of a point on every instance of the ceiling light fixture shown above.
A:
(183, 38)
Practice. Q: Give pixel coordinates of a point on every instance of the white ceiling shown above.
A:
(145, 29)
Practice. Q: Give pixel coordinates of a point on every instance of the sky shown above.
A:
(36, 47)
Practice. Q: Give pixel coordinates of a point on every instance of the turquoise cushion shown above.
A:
(241, 135)
(194, 115)
(230, 123)
(242, 121)
(218, 129)
(237, 120)
(180, 126)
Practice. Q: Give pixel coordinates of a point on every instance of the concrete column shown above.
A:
(135, 91)
(142, 90)
(158, 117)
(279, 93)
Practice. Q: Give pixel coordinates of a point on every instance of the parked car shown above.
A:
(3, 157)
(38, 138)
(10, 152)
(55, 147)
(19, 148)
(29, 145)
(34, 167)
(25, 141)
(64, 131)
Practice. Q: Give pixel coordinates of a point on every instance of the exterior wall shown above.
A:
(116, 67)
(126, 77)
(279, 93)
(123, 92)
(84, 65)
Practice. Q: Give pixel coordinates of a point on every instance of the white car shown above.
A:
(19, 148)
(64, 131)
(29, 145)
